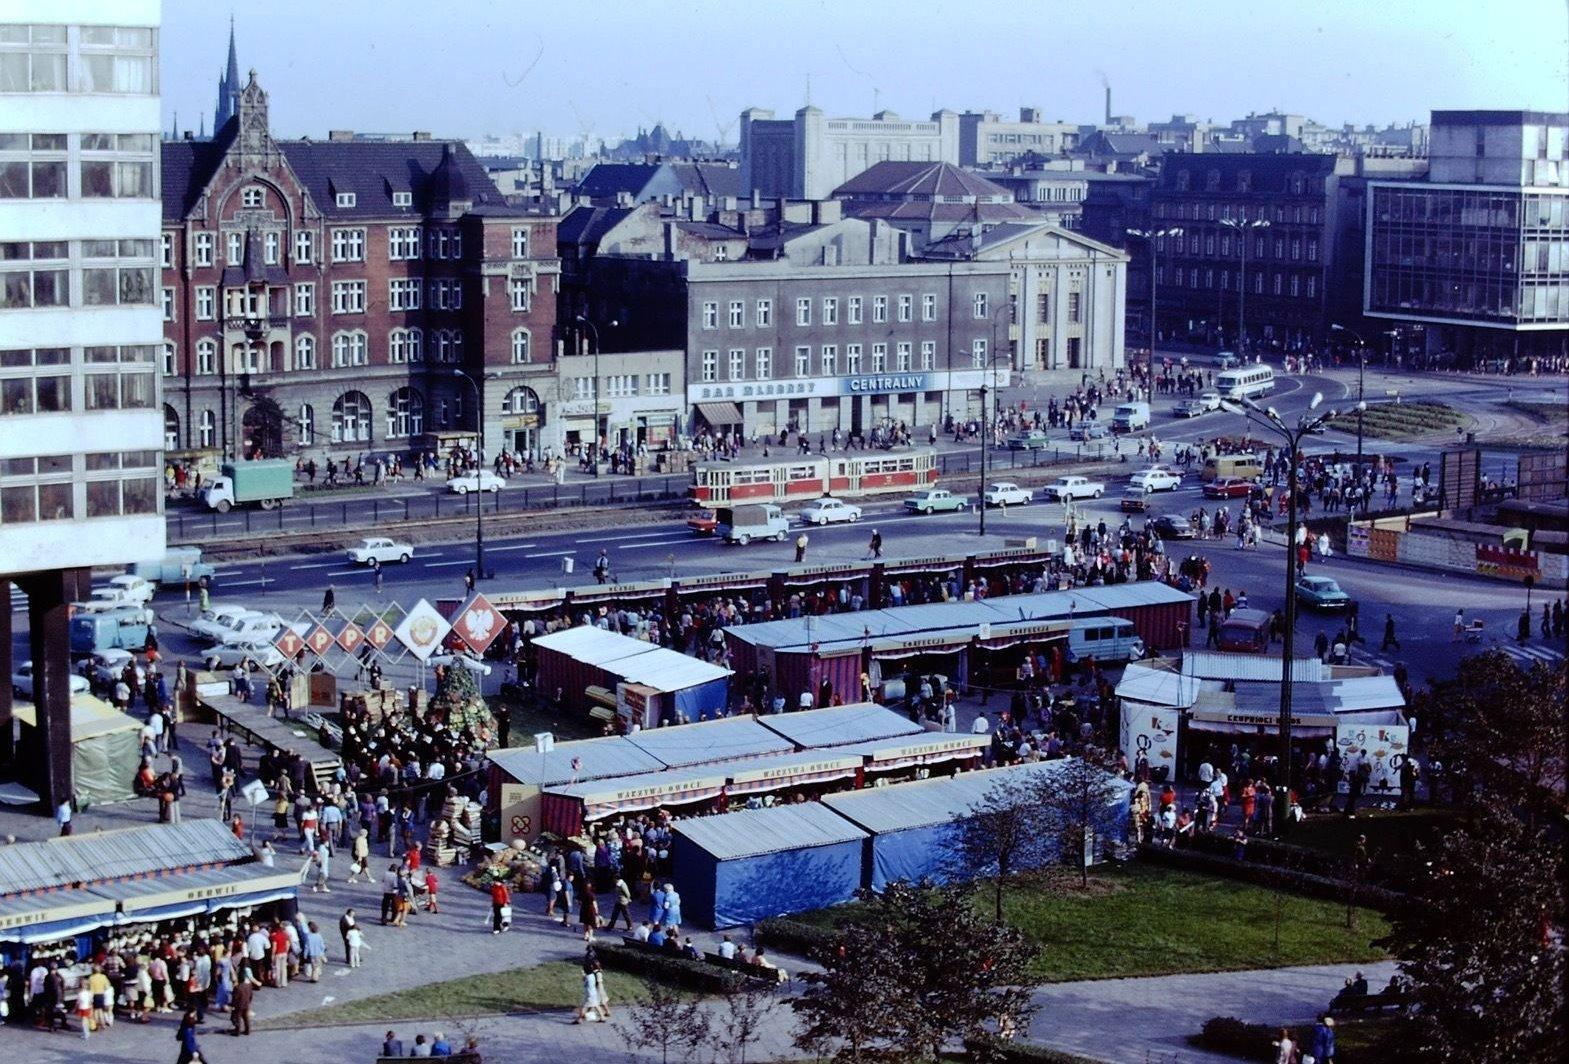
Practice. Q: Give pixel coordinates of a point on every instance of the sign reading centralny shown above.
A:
(861, 384)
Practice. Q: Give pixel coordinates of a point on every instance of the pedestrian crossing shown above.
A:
(1530, 653)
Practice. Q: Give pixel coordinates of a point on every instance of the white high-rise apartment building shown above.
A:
(81, 326)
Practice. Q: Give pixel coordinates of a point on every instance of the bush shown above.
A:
(1304, 883)
(792, 936)
(1005, 1051)
(1359, 1042)
(678, 971)
(1250, 1041)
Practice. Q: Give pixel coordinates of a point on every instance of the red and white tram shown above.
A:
(808, 477)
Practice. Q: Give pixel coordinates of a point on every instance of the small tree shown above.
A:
(1074, 802)
(851, 1009)
(666, 1021)
(738, 1026)
(1008, 832)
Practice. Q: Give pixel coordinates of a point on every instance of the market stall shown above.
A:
(916, 755)
(566, 810)
(709, 741)
(105, 749)
(518, 774)
(743, 866)
(675, 686)
(814, 770)
(858, 722)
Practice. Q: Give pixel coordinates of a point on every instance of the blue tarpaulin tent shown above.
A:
(741, 867)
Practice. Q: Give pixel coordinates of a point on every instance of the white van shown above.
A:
(1130, 417)
(1106, 638)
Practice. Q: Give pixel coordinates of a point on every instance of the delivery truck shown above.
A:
(265, 482)
(742, 524)
(180, 566)
(122, 628)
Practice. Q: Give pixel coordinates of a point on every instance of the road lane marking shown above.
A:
(315, 565)
(550, 554)
(442, 565)
(513, 546)
(635, 535)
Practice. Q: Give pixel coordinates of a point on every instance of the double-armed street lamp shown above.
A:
(1153, 237)
(1244, 230)
(583, 320)
(479, 468)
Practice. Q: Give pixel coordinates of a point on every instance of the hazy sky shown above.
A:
(470, 67)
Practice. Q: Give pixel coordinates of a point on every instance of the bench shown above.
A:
(1361, 1004)
(456, 1058)
(777, 976)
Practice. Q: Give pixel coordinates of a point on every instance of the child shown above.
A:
(356, 940)
(84, 1008)
(431, 886)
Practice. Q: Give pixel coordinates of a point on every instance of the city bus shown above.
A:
(811, 476)
(1245, 382)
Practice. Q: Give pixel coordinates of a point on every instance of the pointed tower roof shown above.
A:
(231, 72)
(449, 188)
(228, 86)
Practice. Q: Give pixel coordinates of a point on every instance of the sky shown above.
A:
(466, 68)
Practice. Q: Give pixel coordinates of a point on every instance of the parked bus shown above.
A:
(809, 477)
(1245, 382)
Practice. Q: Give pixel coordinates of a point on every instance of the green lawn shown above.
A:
(1142, 920)
(557, 985)
(1396, 421)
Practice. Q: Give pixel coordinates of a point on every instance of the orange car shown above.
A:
(703, 522)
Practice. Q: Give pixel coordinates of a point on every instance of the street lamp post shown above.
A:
(1243, 228)
(479, 471)
(1292, 435)
(980, 499)
(1153, 238)
(593, 467)
(1361, 348)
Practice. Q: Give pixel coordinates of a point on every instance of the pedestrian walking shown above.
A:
(329, 599)
(375, 571)
(800, 547)
(876, 544)
(1389, 634)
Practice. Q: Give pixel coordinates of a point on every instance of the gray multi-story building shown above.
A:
(986, 139)
(1476, 259)
(810, 155)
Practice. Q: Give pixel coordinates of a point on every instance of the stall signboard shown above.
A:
(923, 752)
(55, 907)
(825, 572)
(682, 790)
(721, 580)
(949, 639)
(1236, 721)
(814, 771)
(519, 811)
(478, 623)
(935, 563)
(640, 589)
(548, 598)
(176, 894)
(423, 630)
(1152, 732)
(1385, 745)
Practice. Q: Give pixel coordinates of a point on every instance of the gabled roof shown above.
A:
(708, 179)
(605, 180)
(921, 180)
(187, 167)
(586, 226)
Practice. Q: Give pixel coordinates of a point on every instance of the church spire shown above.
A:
(228, 87)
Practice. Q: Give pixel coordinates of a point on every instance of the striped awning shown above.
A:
(717, 414)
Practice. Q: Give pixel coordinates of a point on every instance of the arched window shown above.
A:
(305, 352)
(171, 429)
(351, 415)
(208, 437)
(414, 340)
(405, 414)
(396, 351)
(349, 349)
(521, 352)
(307, 425)
(520, 401)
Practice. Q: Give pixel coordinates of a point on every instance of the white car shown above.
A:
(22, 682)
(1210, 400)
(255, 653)
(482, 481)
(468, 661)
(122, 591)
(1004, 493)
(380, 549)
(828, 511)
(103, 668)
(1155, 479)
(219, 621)
(1064, 488)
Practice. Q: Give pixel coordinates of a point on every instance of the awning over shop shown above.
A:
(940, 564)
(633, 794)
(792, 770)
(1233, 722)
(884, 755)
(717, 414)
(821, 574)
(645, 589)
(205, 890)
(707, 585)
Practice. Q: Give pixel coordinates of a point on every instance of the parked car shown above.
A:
(1321, 593)
(1228, 488)
(125, 590)
(1167, 527)
(484, 480)
(104, 668)
(1189, 408)
(1156, 479)
(934, 500)
(703, 522)
(380, 549)
(830, 511)
(1006, 493)
(248, 627)
(1064, 488)
(22, 682)
(1033, 440)
(220, 621)
(253, 653)
(1088, 430)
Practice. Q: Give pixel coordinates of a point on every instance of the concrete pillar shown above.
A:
(49, 596)
(7, 667)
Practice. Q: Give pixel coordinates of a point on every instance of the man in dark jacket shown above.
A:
(1323, 1044)
(392, 1045)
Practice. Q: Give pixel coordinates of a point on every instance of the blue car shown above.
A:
(1321, 593)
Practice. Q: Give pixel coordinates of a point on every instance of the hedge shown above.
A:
(1273, 853)
(680, 971)
(1264, 875)
(1256, 1041)
(1006, 1051)
(784, 935)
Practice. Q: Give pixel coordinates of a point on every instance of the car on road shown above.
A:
(703, 522)
(103, 669)
(1321, 593)
(244, 626)
(1228, 488)
(1189, 408)
(1007, 493)
(936, 500)
(1135, 500)
(124, 590)
(1156, 479)
(380, 549)
(22, 682)
(464, 483)
(1167, 527)
(1065, 488)
(1088, 430)
(1033, 440)
(252, 653)
(830, 511)
(1210, 400)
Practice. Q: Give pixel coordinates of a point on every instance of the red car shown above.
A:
(1228, 488)
(703, 522)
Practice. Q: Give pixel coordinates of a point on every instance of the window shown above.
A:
(348, 245)
(1312, 250)
(305, 299)
(33, 59)
(344, 199)
(855, 310)
(621, 385)
(169, 362)
(403, 242)
(1312, 287)
(307, 425)
(304, 246)
(271, 249)
(203, 252)
(166, 252)
(879, 358)
(33, 166)
(521, 291)
(118, 59)
(1043, 308)
(234, 245)
(414, 341)
(114, 280)
(252, 196)
(928, 354)
(403, 293)
(349, 349)
(168, 304)
(520, 243)
(522, 401)
(397, 346)
(206, 357)
(348, 297)
(1278, 283)
(405, 414)
(721, 252)
(902, 356)
(978, 352)
(28, 277)
(737, 363)
(980, 304)
(830, 360)
(852, 359)
(803, 361)
(906, 305)
(522, 349)
(351, 418)
(710, 365)
(305, 352)
(928, 308)
(207, 432)
(803, 311)
(830, 311)
(1296, 286)
(711, 315)
(765, 313)
(658, 384)
(403, 199)
(449, 345)
(117, 166)
(582, 387)
(44, 390)
(879, 309)
(1076, 303)
(737, 313)
(118, 378)
(764, 363)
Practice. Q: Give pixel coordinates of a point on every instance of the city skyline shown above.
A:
(508, 80)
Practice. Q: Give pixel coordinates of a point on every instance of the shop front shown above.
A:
(568, 810)
(916, 757)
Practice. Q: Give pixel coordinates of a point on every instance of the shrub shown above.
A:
(679, 971)
(1250, 1041)
(1005, 1051)
(1288, 879)
(792, 936)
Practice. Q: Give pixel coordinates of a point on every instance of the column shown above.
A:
(49, 596)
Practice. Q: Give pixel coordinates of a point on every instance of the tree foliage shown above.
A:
(917, 968)
(666, 1022)
(457, 700)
